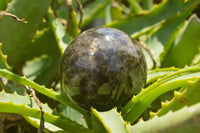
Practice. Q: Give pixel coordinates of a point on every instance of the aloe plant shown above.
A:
(30, 56)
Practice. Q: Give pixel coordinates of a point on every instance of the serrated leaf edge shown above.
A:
(36, 114)
(4, 58)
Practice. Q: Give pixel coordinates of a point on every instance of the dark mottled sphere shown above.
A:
(102, 68)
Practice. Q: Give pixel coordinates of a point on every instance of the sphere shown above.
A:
(102, 68)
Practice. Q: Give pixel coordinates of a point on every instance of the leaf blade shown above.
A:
(139, 103)
(17, 36)
(3, 60)
(24, 105)
(173, 122)
(92, 10)
(111, 121)
(188, 43)
(134, 26)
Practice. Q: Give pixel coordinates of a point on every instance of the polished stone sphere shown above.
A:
(102, 68)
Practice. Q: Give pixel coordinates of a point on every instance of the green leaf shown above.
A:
(196, 59)
(116, 12)
(10, 87)
(48, 126)
(111, 121)
(113, 11)
(3, 60)
(187, 96)
(3, 5)
(61, 8)
(108, 16)
(72, 24)
(92, 11)
(35, 67)
(137, 25)
(147, 4)
(24, 105)
(160, 41)
(50, 73)
(186, 45)
(43, 43)
(135, 6)
(157, 73)
(17, 36)
(48, 92)
(43, 57)
(139, 103)
(185, 120)
(62, 37)
(74, 115)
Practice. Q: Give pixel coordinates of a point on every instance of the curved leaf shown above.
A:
(16, 36)
(135, 25)
(186, 45)
(111, 121)
(48, 126)
(48, 92)
(185, 120)
(162, 39)
(60, 33)
(3, 4)
(135, 6)
(24, 105)
(187, 96)
(44, 48)
(3, 60)
(157, 73)
(92, 10)
(139, 103)
(73, 114)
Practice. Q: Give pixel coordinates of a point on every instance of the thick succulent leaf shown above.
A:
(59, 31)
(24, 105)
(147, 4)
(110, 121)
(137, 25)
(24, 99)
(187, 96)
(186, 45)
(43, 43)
(3, 5)
(97, 124)
(185, 120)
(157, 73)
(43, 90)
(74, 115)
(50, 72)
(139, 103)
(113, 12)
(116, 12)
(48, 126)
(24, 81)
(73, 27)
(10, 87)
(196, 59)
(92, 11)
(135, 6)
(35, 67)
(16, 36)
(43, 57)
(161, 40)
(3, 60)
(108, 17)
(61, 8)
